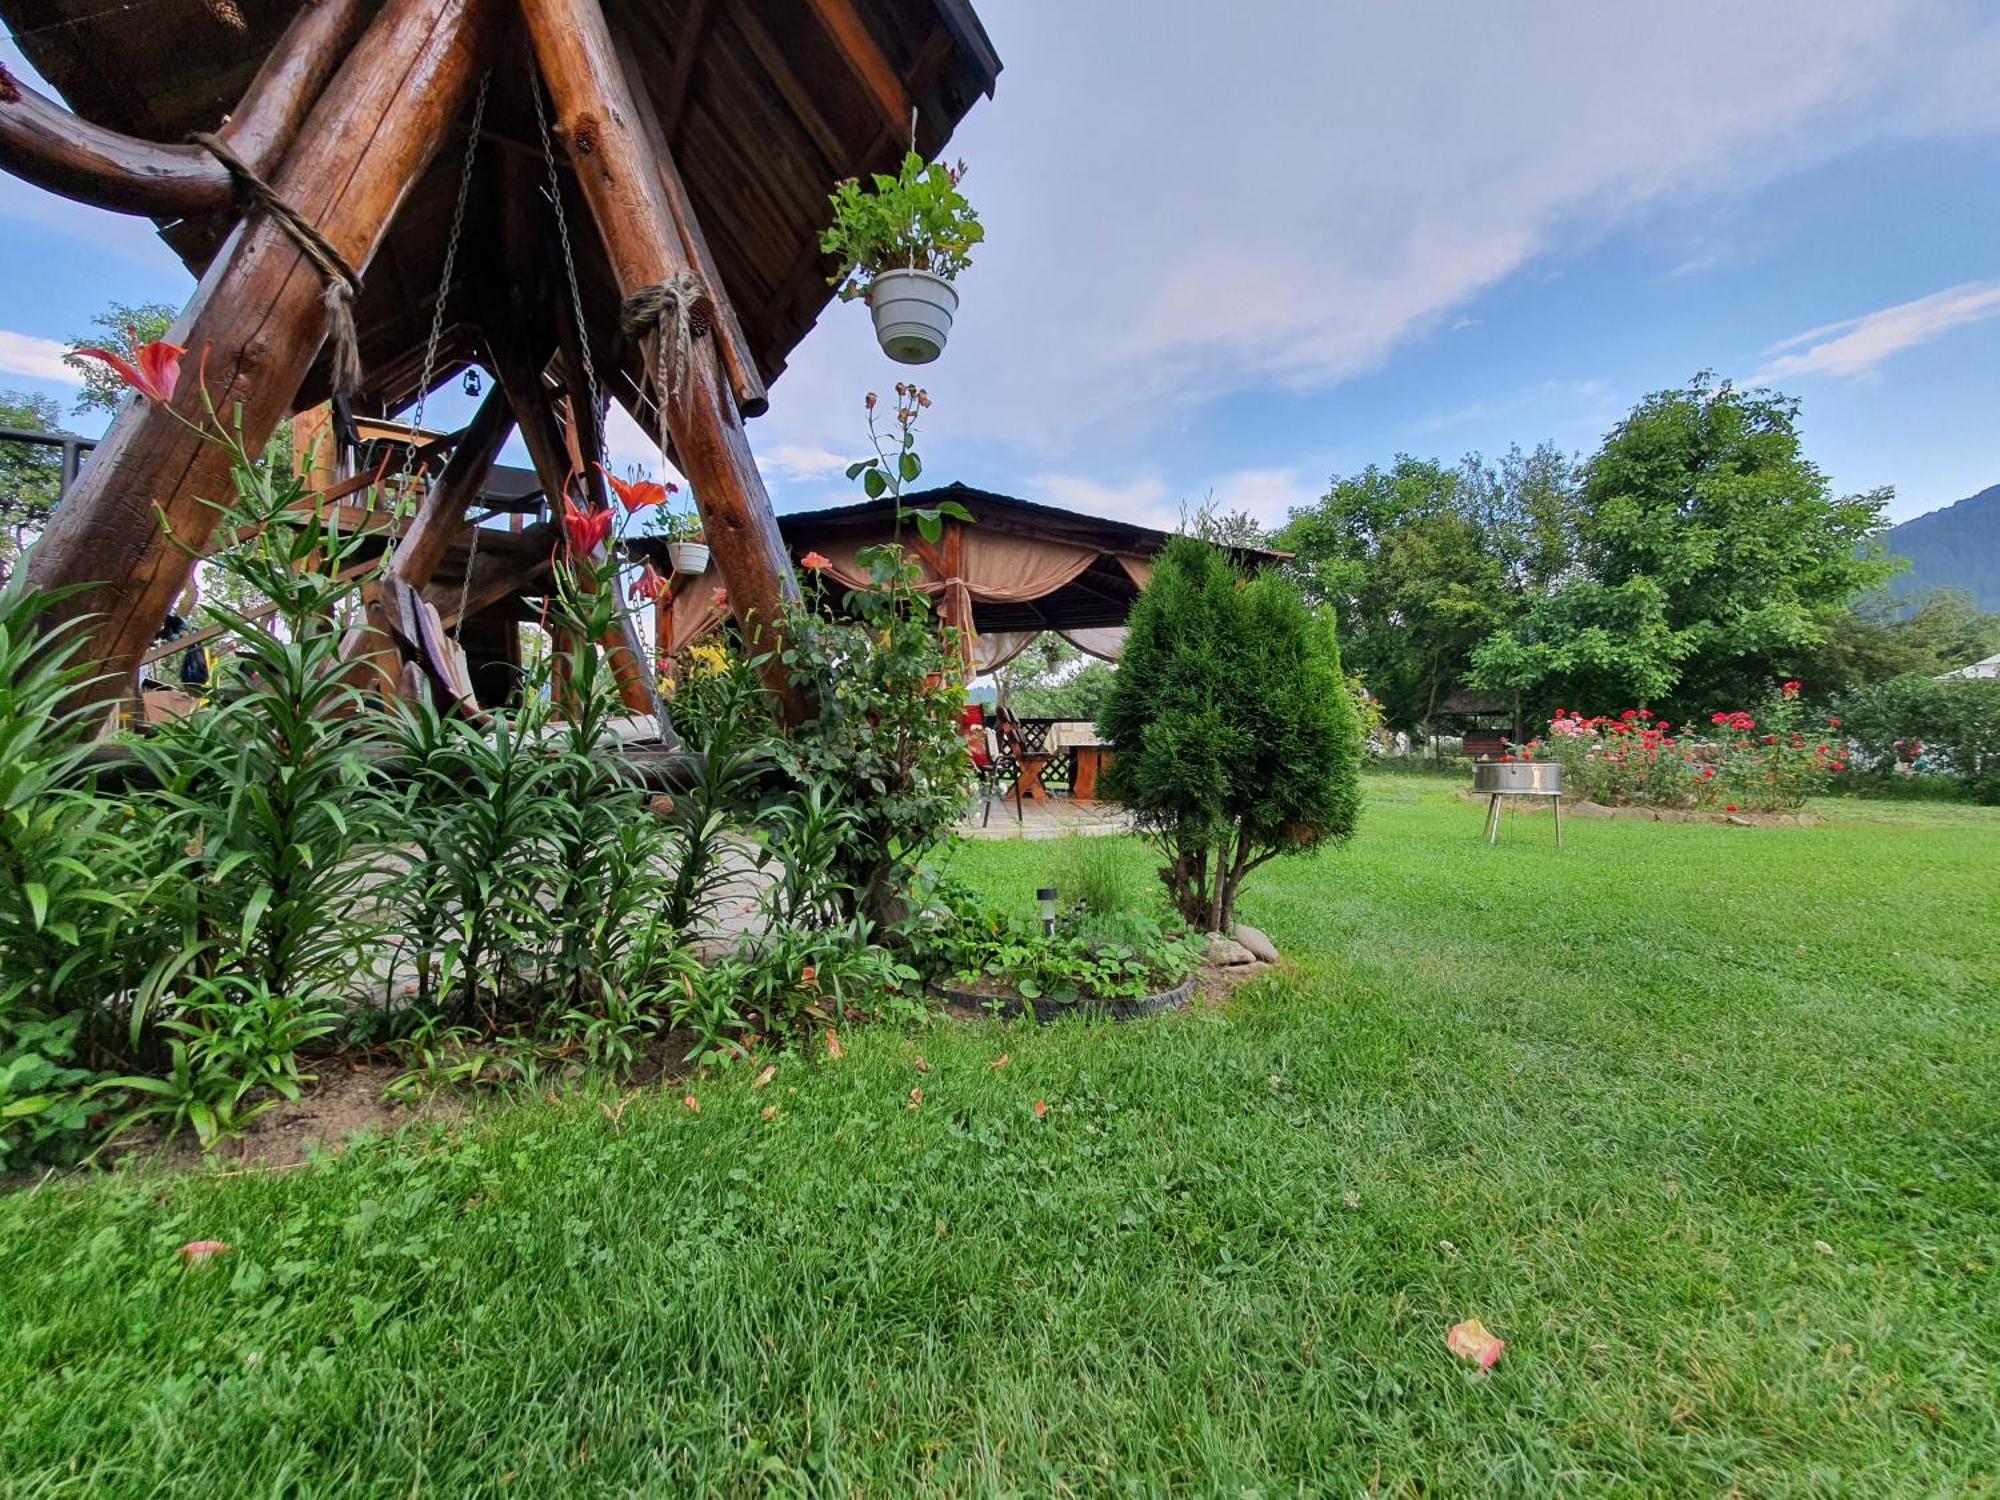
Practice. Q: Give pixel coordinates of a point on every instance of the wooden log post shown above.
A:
(598, 122)
(45, 144)
(259, 315)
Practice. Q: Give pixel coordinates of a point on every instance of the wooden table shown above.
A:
(1090, 763)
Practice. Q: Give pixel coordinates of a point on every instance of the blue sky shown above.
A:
(1239, 249)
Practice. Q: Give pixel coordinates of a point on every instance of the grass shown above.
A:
(1700, 1119)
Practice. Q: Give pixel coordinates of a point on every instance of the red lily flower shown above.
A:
(587, 530)
(635, 495)
(651, 585)
(817, 561)
(156, 374)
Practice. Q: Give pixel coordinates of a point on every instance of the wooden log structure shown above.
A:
(355, 119)
(598, 122)
(260, 314)
(43, 143)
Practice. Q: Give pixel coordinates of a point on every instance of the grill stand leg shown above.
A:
(1493, 819)
(1558, 804)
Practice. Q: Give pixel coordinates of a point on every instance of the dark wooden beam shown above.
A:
(673, 99)
(440, 516)
(599, 124)
(864, 56)
(127, 535)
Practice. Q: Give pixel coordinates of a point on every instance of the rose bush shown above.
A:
(1770, 761)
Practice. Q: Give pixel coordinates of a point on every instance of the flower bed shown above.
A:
(1123, 964)
(1744, 763)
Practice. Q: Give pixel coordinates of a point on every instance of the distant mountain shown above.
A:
(1954, 548)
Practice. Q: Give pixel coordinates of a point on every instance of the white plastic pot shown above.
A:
(688, 557)
(913, 312)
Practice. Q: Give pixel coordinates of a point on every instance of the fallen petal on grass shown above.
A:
(1470, 1341)
(201, 1252)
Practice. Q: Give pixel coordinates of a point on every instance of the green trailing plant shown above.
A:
(1234, 728)
(917, 220)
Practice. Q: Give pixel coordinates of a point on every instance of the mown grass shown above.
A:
(1701, 1120)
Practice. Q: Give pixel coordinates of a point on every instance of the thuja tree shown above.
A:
(1234, 729)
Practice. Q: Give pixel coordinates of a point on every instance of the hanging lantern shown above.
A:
(472, 386)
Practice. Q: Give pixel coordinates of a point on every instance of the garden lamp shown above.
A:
(1046, 896)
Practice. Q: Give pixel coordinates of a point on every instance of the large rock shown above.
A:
(1226, 953)
(1265, 950)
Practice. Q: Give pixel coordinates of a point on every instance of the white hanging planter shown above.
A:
(913, 312)
(688, 557)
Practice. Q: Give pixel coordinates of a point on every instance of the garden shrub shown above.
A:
(1234, 727)
(1929, 726)
(1768, 761)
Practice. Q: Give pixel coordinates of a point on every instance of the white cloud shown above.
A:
(1186, 202)
(1857, 345)
(1145, 501)
(1268, 494)
(803, 462)
(36, 358)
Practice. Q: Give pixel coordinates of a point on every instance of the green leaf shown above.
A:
(955, 510)
(912, 466)
(254, 911)
(38, 901)
(875, 482)
(930, 524)
(859, 466)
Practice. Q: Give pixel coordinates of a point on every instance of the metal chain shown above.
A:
(444, 280)
(569, 266)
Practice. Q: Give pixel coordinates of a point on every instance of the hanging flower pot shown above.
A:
(901, 240)
(913, 312)
(688, 557)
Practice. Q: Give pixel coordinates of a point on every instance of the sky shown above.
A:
(1233, 251)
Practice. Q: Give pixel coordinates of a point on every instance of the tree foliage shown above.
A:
(1424, 562)
(1234, 728)
(1707, 538)
(30, 473)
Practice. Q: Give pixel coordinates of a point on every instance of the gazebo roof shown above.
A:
(1027, 567)
(766, 104)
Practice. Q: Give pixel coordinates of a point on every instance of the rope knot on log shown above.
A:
(676, 311)
(343, 282)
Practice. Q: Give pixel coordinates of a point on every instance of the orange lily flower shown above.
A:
(155, 375)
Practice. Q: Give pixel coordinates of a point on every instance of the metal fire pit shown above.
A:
(1496, 779)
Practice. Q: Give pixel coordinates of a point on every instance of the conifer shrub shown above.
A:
(1235, 733)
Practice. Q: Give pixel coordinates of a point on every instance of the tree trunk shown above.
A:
(259, 319)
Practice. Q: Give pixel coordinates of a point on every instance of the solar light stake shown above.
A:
(1047, 897)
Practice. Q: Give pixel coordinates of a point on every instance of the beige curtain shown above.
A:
(995, 648)
(1138, 569)
(694, 612)
(1106, 642)
(999, 569)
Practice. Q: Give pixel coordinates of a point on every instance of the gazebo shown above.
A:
(594, 200)
(1019, 568)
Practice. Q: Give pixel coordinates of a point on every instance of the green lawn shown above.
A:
(1701, 1120)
